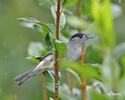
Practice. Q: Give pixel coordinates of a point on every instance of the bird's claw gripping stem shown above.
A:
(57, 85)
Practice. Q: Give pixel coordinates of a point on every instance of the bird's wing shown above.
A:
(43, 57)
(45, 63)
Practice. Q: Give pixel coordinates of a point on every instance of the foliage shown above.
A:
(108, 58)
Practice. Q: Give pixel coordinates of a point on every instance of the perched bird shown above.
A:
(74, 49)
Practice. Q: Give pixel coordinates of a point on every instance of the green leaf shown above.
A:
(45, 3)
(86, 9)
(44, 52)
(52, 27)
(86, 70)
(68, 3)
(119, 50)
(75, 74)
(101, 12)
(33, 58)
(37, 27)
(48, 41)
(97, 96)
(35, 48)
(51, 99)
(62, 18)
(28, 19)
(110, 71)
(60, 47)
(106, 70)
(79, 23)
(52, 2)
(122, 63)
(47, 28)
(44, 27)
(66, 35)
(64, 93)
(94, 55)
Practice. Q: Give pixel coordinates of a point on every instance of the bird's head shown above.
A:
(79, 39)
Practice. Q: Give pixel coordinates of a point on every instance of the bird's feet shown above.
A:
(57, 85)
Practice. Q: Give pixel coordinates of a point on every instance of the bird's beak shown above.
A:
(89, 37)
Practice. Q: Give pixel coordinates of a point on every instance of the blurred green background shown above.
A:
(14, 42)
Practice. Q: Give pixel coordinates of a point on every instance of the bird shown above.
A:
(74, 50)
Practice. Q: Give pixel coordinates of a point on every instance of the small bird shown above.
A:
(74, 50)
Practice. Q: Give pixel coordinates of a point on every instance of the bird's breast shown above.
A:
(73, 53)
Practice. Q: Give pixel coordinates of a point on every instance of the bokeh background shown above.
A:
(14, 42)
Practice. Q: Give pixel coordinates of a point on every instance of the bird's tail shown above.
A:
(22, 78)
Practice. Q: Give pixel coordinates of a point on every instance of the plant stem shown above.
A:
(83, 80)
(43, 87)
(114, 77)
(79, 13)
(56, 53)
(69, 82)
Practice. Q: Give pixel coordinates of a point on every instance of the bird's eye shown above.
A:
(80, 36)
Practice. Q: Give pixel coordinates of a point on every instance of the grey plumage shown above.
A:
(44, 65)
(74, 49)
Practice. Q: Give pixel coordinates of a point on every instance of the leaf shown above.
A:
(51, 99)
(52, 27)
(75, 74)
(64, 93)
(116, 10)
(27, 24)
(106, 71)
(44, 27)
(68, 3)
(44, 52)
(48, 41)
(60, 47)
(35, 48)
(52, 2)
(62, 18)
(28, 19)
(97, 96)
(101, 12)
(110, 71)
(119, 50)
(86, 9)
(86, 70)
(79, 23)
(66, 34)
(37, 27)
(33, 58)
(45, 3)
(122, 64)
(94, 55)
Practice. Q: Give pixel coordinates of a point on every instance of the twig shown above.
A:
(43, 87)
(78, 12)
(56, 53)
(69, 82)
(83, 80)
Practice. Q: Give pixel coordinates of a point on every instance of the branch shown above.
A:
(56, 53)
(83, 80)
(78, 12)
(69, 82)
(43, 87)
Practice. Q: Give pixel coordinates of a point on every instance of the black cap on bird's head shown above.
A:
(79, 39)
(80, 36)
